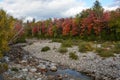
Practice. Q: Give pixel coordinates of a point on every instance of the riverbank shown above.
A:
(25, 66)
(91, 63)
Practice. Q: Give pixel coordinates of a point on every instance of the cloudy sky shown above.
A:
(44, 9)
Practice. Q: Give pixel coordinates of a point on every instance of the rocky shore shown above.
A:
(25, 66)
(91, 63)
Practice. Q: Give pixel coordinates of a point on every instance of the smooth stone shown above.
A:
(25, 70)
(33, 70)
(41, 66)
(53, 68)
(50, 77)
(6, 59)
(39, 79)
(72, 79)
(66, 76)
(59, 77)
(53, 64)
(23, 61)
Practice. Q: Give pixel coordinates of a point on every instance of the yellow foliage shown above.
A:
(6, 30)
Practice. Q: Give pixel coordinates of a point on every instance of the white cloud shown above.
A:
(42, 9)
(73, 11)
(110, 8)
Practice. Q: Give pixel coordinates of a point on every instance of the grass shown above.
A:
(85, 46)
(73, 56)
(44, 49)
(98, 50)
(106, 53)
(67, 43)
(116, 48)
(108, 49)
(57, 40)
(62, 50)
(20, 40)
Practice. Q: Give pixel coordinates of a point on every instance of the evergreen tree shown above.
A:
(97, 8)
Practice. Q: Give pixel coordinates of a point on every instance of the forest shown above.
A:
(93, 24)
(82, 47)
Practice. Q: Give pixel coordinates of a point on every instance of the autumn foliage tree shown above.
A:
(6, 30)
(90, 24)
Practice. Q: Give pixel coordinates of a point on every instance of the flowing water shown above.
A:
(71, 74)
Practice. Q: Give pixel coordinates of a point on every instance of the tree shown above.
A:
(114, 24)
(6, 30)
(97, 8)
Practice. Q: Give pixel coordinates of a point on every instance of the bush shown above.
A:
(62, 50)
(99, 50)
(83, 47)
(1, 55)
(106, 44)
(44, 49)
(117, 48)
(14, 69)
(3, 67)
(72, 55)
(21, 40)
(106, 53)
(67, 43)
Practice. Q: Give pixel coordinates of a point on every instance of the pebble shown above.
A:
(39, 79)
(33, 70)
(53, 68)
(25, 70)
(92, 63)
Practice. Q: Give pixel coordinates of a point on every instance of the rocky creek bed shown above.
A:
(90, 63)
(25, 66)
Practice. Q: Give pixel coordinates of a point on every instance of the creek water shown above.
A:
(71, 74)
(1, 77)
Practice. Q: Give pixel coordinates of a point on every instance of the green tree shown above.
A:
(114, 24)
(97, 8)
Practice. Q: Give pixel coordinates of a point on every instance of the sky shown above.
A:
(44, 9)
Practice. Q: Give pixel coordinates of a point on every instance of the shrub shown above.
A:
(99, 50)
(67, 43)
(62, 50)
(1, 55)
(3, 67)
(106, 44)
(72, 55)
(117, 48)
(83, 47)
(14, 69)
(44, 49)
(21, 40)
(106, 53)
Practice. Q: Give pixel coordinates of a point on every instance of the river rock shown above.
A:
(39, 79)
(59, 77)
(50, 77)
(53, 68)
(66, 76)
(42, 68)
(33, 70)
(25, 70)
(6, 59)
